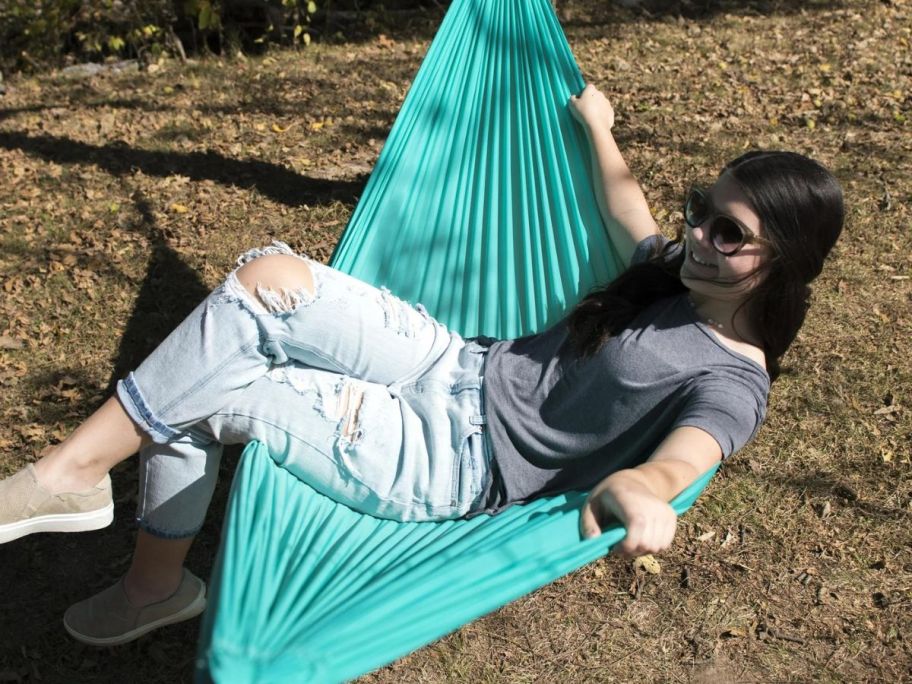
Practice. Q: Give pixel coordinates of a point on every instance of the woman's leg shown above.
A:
(81, 460)
(326, 320)
(176, 482)
(156, 569)
(109, 435)
(276, 308)
(215, 351)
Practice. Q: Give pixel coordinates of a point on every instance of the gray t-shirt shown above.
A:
(558, 422)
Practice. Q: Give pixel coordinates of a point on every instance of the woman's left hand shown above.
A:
(592, 109)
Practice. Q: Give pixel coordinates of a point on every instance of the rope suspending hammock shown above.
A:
(480, 207)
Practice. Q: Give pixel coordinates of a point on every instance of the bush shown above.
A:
(36, 34)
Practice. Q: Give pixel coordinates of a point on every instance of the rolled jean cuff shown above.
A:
(135, 405)
(165, 534)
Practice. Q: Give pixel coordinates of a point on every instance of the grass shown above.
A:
(125, 198)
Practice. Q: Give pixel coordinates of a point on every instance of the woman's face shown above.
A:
(710, 273)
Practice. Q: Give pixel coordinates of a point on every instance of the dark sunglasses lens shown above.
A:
(696, 209)
(727, 236)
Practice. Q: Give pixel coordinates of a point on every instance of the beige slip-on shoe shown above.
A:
(27, 507)
(109, 619)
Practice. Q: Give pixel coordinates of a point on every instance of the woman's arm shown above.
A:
(621, 202)
(638, 497)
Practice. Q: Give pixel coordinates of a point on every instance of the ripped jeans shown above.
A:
(367, 399)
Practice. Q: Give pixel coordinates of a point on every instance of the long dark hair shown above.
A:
(800, 207)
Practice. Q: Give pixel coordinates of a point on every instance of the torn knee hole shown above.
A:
(281, 282)
(283, 300)
(348, 411)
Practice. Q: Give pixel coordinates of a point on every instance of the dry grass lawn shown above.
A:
(125, 197)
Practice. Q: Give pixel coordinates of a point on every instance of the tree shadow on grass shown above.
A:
(271, 180)
(53, 571)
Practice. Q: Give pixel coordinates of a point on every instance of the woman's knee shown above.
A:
(279, 281)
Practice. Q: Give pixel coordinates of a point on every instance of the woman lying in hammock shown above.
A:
(643, 387)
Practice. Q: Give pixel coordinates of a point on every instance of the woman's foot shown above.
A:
(109, 618)
(26, 507)
(57, 472)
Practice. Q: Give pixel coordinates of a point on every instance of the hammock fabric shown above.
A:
(481, 208)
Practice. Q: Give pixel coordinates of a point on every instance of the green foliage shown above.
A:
(205, 13)
(32, 32)
(297, 15)
(36, 34)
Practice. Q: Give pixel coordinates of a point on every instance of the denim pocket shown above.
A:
(468, 470)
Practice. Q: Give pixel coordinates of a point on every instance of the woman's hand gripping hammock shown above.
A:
(638, 497)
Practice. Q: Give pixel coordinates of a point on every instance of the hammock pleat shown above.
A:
(480, 207)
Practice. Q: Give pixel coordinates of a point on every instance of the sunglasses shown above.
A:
(727, 234)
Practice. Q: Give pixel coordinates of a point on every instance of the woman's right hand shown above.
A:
(592, 109)
(621, 497)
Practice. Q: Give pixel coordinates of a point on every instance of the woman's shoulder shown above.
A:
(750, 351)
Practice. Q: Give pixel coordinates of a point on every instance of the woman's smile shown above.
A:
(705, 262)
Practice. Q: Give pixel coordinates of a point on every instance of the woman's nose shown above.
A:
(700, 233)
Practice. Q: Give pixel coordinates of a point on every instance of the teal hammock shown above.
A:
(481, 208)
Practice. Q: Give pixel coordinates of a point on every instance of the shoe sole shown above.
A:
(197, 606)
(60, 522)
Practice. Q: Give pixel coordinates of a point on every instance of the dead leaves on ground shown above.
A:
(786, 580)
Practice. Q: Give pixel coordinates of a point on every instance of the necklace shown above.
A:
(709, 321)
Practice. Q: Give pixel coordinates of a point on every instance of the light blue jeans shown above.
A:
(362, 396)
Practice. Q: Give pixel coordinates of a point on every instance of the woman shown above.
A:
(647, 384)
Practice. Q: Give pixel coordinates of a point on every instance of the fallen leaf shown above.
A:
(647, 563)
(822, 597)
(735, 633)
(7, 342)
(32, 433)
